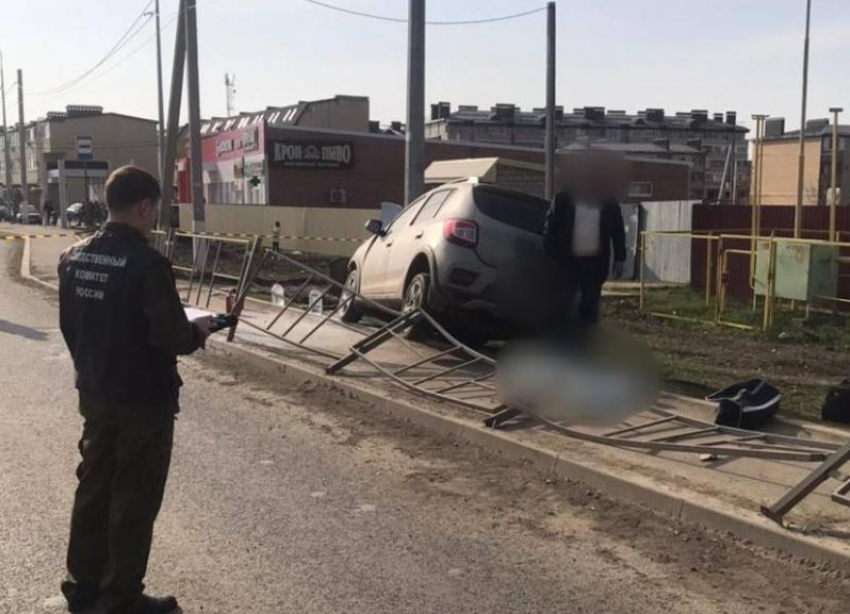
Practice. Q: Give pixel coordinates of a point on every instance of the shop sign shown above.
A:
(311, 155)
(224, 146)
(250, 142)
(247, 141)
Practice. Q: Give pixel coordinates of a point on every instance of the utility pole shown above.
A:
(835, 111)
(414, 154)
(801, 167)
(161, 129)
(175, 95)
(230, 90)
(760, 186)
(721, 193)
(23, 139)
(198, 212)
(756, 175)
(7, 159)
(551, 134)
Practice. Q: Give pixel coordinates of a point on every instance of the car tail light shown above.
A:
(461, 232)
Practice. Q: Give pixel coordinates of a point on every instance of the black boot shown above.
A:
(149, 605)
(80, 597)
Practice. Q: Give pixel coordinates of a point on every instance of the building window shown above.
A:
(640, 189)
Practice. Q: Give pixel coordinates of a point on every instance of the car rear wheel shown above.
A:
(351, 311)
(416, 297)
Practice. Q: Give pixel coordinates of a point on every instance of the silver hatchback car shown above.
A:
(443, 252)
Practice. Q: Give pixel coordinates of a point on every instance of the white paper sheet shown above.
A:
(193, 313)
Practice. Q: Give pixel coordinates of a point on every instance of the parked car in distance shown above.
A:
(74, 213)
(28, 214)
(5, 213)
(444, 250)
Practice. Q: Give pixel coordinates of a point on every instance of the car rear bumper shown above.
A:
(476, 298)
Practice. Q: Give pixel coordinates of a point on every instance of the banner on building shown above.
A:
(311, 155)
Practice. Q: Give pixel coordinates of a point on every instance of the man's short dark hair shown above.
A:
(130, 185)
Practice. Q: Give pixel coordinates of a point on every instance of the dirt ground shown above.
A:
(507, 496)
(702, 358)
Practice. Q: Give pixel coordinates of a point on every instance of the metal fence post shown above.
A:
(708, 267)
(641, 259)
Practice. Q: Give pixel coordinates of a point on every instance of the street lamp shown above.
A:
(160, 136)
(798, 206)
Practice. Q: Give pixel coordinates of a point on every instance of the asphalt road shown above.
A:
(297, 499)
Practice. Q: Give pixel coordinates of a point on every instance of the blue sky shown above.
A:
(743, 55)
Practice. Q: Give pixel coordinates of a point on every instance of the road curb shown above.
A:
(26, 268)
(750, 527)
(747, 526)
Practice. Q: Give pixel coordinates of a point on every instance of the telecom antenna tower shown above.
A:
(230, 86)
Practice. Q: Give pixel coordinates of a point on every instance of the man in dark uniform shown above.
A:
(122, 319)
(583, 226)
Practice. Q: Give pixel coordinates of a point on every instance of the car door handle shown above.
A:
(388, 244)
(418, 235)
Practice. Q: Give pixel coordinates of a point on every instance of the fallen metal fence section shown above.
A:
(200, 260)
(659, 430)
(453, 373)
(316, 302)
(807, 486)
(463, 376)
(448, 370)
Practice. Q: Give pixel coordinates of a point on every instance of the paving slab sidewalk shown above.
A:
(725, 494)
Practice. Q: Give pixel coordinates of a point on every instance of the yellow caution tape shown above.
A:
(296, 237)
(31, 236)
(212, 234)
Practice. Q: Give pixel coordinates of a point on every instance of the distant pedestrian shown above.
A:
(583, 226)
(276, 237)
(124, 325)
(47, 211)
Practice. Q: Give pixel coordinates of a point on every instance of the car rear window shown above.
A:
(522, 211)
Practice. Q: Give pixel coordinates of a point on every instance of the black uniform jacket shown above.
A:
(122, 318)
(558, 232)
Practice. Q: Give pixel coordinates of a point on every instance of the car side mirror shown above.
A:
(375, 227)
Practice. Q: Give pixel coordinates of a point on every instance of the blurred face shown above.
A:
(601, 176)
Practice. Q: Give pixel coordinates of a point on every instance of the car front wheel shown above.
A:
(351, 311)
(416, 297)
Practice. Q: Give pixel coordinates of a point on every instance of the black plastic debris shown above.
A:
(836, 406)
(747, 405)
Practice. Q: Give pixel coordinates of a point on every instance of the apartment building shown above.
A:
(713, 145)
(781, 160)
(115, 140)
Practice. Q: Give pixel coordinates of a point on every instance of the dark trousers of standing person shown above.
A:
(126, 453)
(587, 275)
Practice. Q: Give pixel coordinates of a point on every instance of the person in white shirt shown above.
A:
(584, 225)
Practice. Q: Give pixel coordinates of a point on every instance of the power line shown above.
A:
(167, 24)
(463, 22)
(122, 42)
